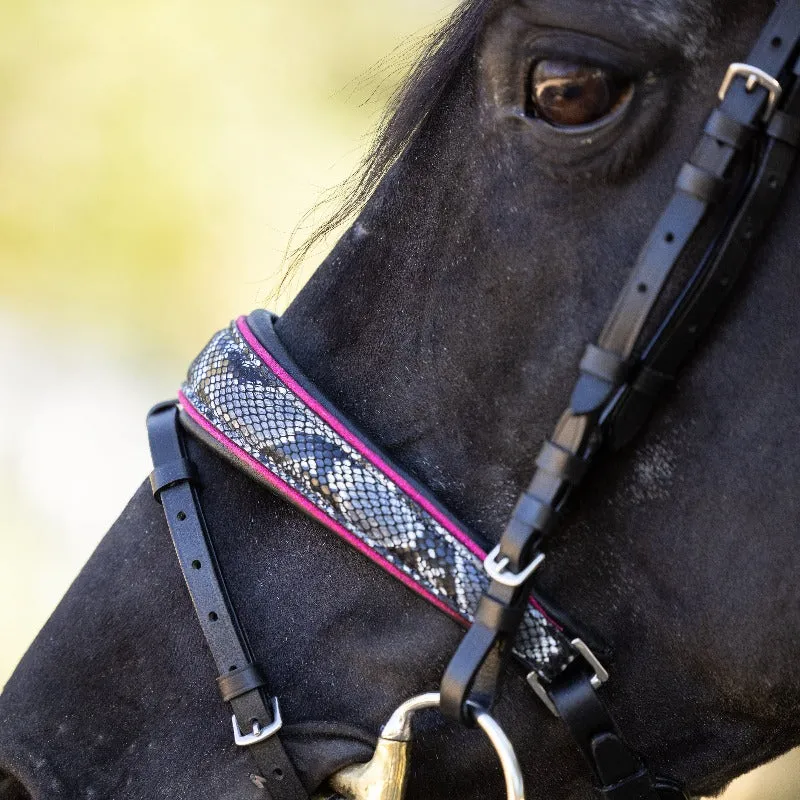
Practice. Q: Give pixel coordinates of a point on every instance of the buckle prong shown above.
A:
(259, 734)
(754, 77)
(497, 569)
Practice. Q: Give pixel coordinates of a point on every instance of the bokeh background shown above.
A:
(156, 157)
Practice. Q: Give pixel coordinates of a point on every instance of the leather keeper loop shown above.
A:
(534, 513)
(728, 130)
(603, 364)
(166, 475)
(590, 394)
(242, 681)
(785, 128)
(651, 382)
(497, 616)
(699, 183)
(561, 463)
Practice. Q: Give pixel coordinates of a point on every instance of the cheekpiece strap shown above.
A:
(255, 722)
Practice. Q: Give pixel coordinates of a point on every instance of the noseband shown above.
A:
(292, 440)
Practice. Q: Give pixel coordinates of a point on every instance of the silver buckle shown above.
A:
(496, 569)
(755, 77)
(597, 680)
(259, 734)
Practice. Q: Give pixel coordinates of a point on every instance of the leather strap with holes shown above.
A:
(241, 681)
(715, 277)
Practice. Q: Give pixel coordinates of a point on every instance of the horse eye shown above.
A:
(567, 94)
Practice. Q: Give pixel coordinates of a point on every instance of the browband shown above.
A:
(245, 397)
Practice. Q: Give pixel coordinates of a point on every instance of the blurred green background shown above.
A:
(155, 157)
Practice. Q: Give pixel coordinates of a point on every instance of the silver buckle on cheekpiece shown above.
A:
(755, 77)
(496, 569)
(259, 734)
(597, 680)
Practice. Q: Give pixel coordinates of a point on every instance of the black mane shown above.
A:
(442, 52)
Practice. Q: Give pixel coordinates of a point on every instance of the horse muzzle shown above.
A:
(385, 776)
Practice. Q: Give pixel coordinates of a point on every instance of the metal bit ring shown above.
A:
(385, 776)
(515, 790)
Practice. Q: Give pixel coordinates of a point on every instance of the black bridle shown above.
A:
(727, 192)
(754, 132)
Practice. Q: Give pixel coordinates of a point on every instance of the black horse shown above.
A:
(498, 225)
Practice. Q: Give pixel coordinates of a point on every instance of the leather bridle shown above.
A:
(727, 192)
(757, 126)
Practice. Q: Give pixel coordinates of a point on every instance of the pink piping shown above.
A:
(354, 441)
(365, 451)
(306, 505)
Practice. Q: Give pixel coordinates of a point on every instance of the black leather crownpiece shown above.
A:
(241, 680)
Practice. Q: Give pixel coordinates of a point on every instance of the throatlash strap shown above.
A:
(240, 395)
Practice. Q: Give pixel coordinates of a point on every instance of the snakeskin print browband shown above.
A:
(244, 393)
